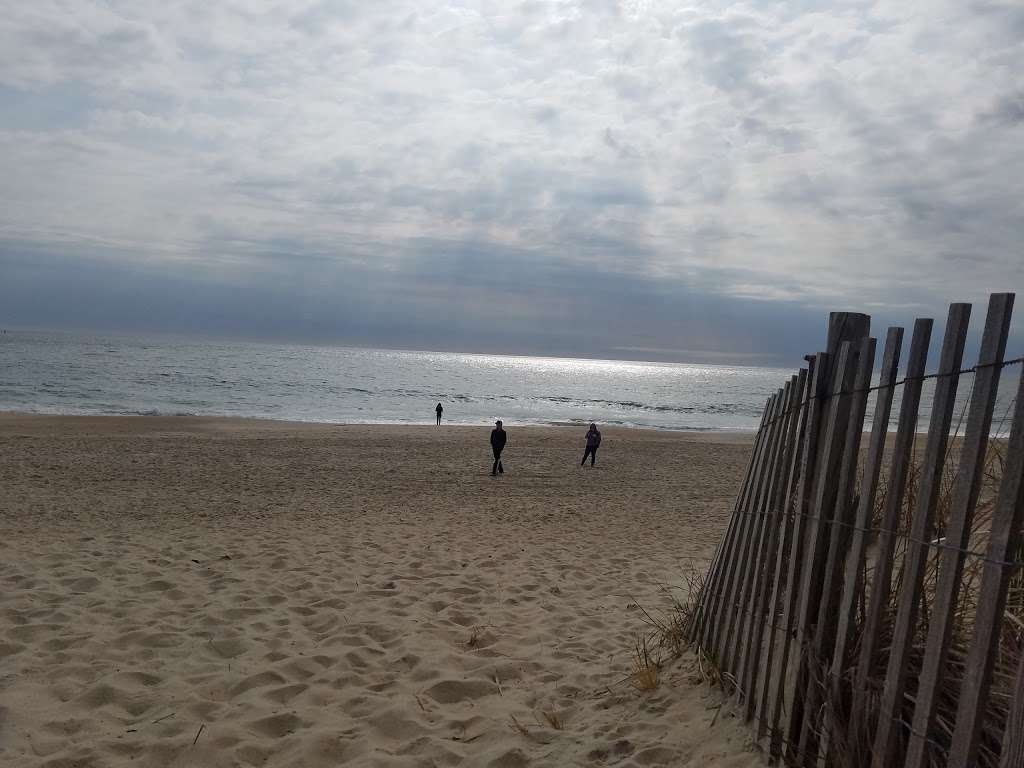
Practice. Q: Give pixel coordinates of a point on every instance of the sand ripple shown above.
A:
(260, 597)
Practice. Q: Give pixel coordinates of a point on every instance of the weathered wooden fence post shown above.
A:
(809, 453)
(761, 511)
(825, 488)
(899, 471)
(958, 527)
(887, 735)
(736, 568)
(853, 577)
(838, 535)
(708, 597)
(778, 587)
(778, 612)
(1004, 541)
(767, 561)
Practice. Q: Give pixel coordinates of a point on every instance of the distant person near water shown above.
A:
(498, 439)
(593, 441)
(440, 410)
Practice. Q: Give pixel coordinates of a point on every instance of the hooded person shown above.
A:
(593, 441)
(498, 439)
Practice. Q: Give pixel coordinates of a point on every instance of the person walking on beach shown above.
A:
(440, 410)
(498, 439)
(593, 441)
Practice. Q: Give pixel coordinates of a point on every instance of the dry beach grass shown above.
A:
(209, 592)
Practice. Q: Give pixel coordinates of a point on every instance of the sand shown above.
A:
(212, 592)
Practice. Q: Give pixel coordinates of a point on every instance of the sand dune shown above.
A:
(198, 592)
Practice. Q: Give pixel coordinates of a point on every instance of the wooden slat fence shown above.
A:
(866, 605)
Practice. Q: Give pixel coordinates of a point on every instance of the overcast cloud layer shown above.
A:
(632, 179)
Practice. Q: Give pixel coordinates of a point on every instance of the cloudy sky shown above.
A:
(635, 179)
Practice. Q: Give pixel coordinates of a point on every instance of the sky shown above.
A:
(634, 179)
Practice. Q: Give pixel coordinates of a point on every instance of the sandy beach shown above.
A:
(213, 592)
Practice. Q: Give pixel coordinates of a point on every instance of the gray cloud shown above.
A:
(775, 159)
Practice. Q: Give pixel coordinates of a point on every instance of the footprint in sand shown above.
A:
(260, 680)
(278, 726)
(454, 691)
(285, 693)
(395, 725)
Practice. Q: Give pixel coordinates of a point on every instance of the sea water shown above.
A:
(76, 373)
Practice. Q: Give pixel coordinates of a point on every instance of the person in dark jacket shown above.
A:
(498, 439)
(593, 441)
(440, 410)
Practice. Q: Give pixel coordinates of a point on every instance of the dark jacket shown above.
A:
(593, 439)
(498, 438)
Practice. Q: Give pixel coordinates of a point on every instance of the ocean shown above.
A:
(76, 373)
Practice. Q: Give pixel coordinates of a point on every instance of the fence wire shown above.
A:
(807, 399)
(791, 515)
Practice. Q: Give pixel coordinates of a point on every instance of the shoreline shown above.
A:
(255, 422)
